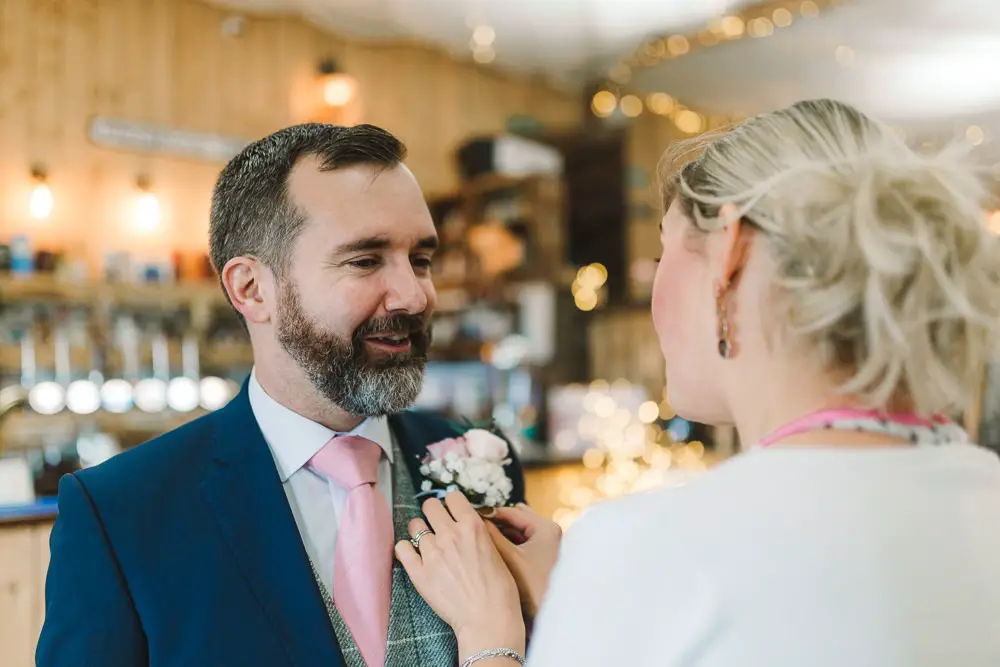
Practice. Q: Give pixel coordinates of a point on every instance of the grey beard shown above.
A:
(340, 369)
(370, 392)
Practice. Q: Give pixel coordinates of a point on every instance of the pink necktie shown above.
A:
(362, 570)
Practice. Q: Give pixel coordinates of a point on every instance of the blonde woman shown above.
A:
(834, 295)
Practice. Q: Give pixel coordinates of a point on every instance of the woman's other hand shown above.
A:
(530, 559)
(458, 571)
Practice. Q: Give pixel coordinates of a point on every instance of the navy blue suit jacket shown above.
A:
(183, 552)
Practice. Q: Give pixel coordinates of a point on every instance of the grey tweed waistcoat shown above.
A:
(417, 637)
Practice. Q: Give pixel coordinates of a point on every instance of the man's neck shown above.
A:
(293, 390)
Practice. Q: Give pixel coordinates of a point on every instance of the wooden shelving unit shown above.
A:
(623, 344)
(52, 288)
(535, 202)
(27, 430)
(47, 288)
(198, 305)
(217, 355)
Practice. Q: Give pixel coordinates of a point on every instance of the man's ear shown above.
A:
(250, 286)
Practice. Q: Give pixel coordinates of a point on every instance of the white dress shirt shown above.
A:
(786, 557)
(316, 502)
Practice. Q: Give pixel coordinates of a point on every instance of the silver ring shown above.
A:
(415, 540)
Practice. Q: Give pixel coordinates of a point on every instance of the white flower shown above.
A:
(495, 473)
(485, 445)
(475, 468)
(479, 473)
(496, 498)
(506, 486)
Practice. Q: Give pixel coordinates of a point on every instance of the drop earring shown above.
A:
(722, 315)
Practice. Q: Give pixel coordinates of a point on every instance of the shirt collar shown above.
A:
(294, 439)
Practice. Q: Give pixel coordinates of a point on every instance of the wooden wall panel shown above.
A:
(24, 562)
(40, 535)
(167, 62)
(17, 597)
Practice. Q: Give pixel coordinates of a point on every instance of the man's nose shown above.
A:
(406, 292)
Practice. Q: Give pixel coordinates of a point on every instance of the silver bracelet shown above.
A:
(494, 653)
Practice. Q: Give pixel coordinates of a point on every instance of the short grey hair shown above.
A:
(251, 211)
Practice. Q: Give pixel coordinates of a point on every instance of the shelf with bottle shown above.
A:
(496, 230)
(143, 358)
(117, 346)
(28, 431)
(216, 355)
(53, 288)
(200, 297)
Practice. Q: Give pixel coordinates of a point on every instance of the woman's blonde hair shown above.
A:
(883, 256)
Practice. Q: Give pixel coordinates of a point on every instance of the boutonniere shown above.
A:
(472, 463)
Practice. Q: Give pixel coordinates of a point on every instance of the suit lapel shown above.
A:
(244, 493)
(414, 432)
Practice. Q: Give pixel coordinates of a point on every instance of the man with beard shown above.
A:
(262, 534)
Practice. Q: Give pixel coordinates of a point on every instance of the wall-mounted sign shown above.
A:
(146, 138)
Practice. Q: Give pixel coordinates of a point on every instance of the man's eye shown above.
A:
(423, 262)
(367, 263)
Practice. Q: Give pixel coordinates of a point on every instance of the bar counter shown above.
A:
(24, 560)
(43, 510)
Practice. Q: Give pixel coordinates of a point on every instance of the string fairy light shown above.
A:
(606, 103)
(759, 20)
(587, 287)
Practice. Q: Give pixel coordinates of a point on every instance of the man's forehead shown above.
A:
(348, 208)
(309, 181)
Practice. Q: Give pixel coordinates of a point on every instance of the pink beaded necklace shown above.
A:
(905, 426)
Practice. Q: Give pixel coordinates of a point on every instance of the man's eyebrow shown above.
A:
(380, 243)
(370, 243)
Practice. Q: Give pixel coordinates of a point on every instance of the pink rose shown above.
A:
(485, 445)
(439, 450)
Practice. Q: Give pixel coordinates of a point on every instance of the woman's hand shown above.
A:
(531, 558)
(458, 571)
